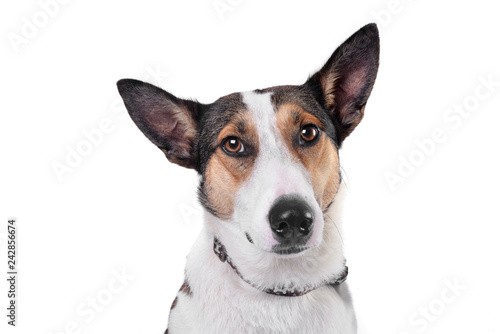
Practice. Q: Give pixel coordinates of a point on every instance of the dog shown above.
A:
(269, 258)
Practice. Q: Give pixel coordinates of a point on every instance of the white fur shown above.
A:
(221, 302)
(275, 173)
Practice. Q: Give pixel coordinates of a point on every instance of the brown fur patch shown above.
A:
(186, 289)
(174, 304)
(320, 160)
(225, 174)
(328, 84)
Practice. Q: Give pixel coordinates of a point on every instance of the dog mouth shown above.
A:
(282, 249)
(289, 250)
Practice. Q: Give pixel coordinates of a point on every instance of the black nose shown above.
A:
(291, 220)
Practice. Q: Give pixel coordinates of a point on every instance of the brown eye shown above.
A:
(233, 145)
(309, 133)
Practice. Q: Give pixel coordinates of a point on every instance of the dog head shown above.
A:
(268, 159)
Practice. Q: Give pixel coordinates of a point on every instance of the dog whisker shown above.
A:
(338, 231)
(344, 176)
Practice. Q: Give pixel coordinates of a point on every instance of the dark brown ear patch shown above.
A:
(347, 78)
(170, 123)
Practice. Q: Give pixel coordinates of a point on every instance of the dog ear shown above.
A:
(346, 80)
(169, 122)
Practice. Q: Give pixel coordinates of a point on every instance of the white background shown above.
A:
(124, 207)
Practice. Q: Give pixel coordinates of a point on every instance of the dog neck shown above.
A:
(221, 253)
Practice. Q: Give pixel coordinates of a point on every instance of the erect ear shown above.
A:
(170, 123)
(346, 80)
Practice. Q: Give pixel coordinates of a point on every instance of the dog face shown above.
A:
(273, 167)
(268, 159)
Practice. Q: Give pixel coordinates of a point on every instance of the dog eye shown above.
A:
(233, 145)
(309, 133)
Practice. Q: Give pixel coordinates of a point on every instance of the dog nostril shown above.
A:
(305, 226)
(282, 228)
